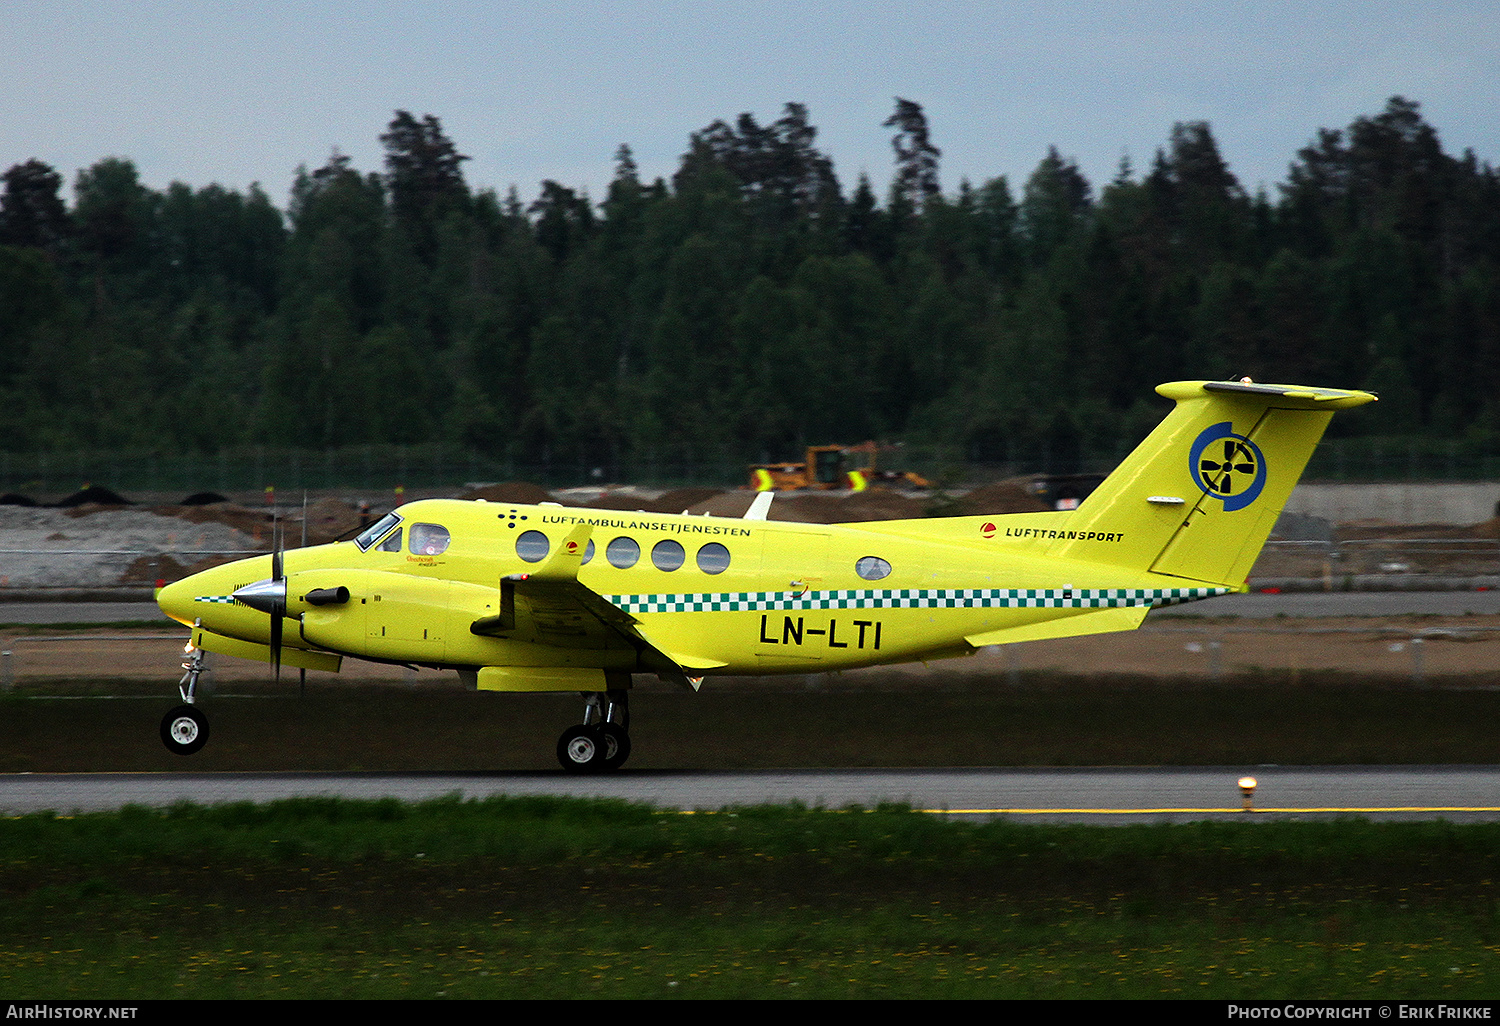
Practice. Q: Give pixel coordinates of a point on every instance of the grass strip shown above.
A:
(550, 897)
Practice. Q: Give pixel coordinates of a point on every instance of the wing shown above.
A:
(551, 607)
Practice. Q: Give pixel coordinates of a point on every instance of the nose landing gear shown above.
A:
(184, 729)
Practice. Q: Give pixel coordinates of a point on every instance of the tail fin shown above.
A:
(1198, 498)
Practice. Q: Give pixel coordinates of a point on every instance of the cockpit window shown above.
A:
(392, 542)
(429, 539)
(372, 534)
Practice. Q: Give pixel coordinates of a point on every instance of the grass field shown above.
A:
(547, 898)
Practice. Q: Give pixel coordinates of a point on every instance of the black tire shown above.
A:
(616, 746)
(184, 730)
(581, 749)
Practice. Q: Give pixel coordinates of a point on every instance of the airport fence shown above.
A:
(382, 469)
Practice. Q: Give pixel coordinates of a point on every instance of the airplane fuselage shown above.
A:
(722, 596)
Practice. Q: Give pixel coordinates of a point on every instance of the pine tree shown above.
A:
(916, 178)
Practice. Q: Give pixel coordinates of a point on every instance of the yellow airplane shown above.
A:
(549, 598)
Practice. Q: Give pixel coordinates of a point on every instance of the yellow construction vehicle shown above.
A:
(833, 466)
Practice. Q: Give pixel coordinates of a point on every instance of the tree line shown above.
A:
(750, 305)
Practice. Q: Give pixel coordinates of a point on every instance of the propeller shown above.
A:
(269, 596)
(278, 576)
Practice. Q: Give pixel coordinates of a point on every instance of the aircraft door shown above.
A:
(793, 626)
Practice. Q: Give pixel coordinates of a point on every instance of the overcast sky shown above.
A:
(238, 92)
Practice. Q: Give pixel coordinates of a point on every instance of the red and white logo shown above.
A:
(988, 530)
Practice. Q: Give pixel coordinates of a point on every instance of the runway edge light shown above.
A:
(1247, 789)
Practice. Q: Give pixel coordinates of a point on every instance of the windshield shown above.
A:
(372, 534)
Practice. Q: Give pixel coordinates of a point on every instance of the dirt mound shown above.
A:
(1008, 496)
(679, 499)
(727, 504)
(328, 520)
(520, 492)
(203, 499)
(95, 495)
(1380, 529)
(254, 522)
(856, 508)
(12, 499)
(813, 507)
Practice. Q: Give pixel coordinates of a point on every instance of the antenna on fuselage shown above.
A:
(760, 506)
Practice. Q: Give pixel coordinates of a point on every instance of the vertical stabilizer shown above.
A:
(1198, 498)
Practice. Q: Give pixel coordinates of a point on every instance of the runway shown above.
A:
(1099, 796)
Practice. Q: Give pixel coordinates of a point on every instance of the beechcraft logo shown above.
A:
(1228, 466)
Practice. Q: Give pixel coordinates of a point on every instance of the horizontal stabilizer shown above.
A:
(1104, 621)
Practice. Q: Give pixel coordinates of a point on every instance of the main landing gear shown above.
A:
(602, 741)
(184, 729)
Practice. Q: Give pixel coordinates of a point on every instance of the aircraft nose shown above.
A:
(176, 600)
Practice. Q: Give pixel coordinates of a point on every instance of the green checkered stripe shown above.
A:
(227, 600)
(915, 598)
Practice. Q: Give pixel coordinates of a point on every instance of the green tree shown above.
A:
(1200, 201)
(1055, 205)
(916, 178)
(424, 173)
(31, 211)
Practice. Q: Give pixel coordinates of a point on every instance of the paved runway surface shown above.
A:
(1465, 793)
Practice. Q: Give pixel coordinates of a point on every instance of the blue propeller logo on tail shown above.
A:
(1227, 466)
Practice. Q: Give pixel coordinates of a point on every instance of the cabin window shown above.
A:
(588, 552)
(872, 568)
(532, 546)
(392, 543)
(372, 534)
(713, 558)
(667, 554)
(429, 539)
(622, 553)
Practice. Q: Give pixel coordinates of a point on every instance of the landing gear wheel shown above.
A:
(184, 730)
(616, 746)
(581, 749)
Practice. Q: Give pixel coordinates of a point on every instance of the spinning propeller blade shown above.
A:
(278, 611)
(269, 596)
